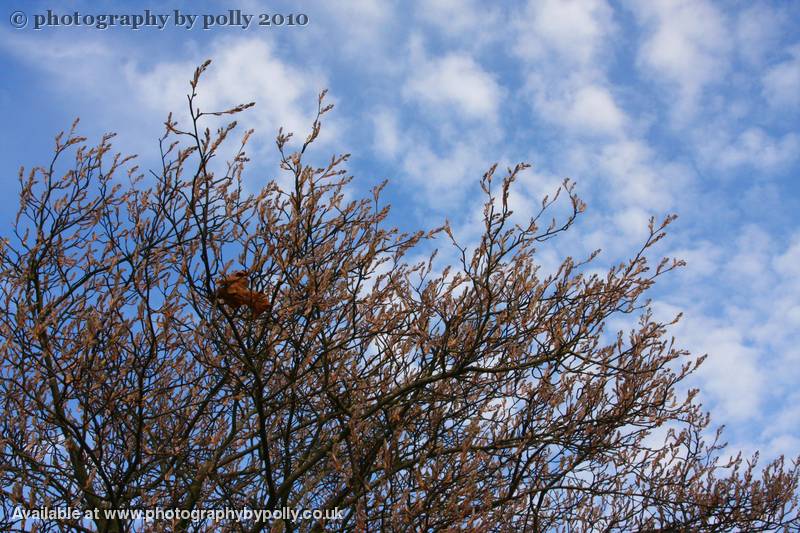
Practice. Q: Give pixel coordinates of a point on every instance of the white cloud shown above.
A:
(702, 259)
(755, 148)
(387, 140)
(586, 109)
(139, 91)
(565, 45)
(572, 30)
(687, 47)
(635, 177)
(442, 179)
(595, 109)
(51, 51)
(632, 223)
(748, 264)
(789, 417)
(455, 83)
(758, 30)
(732, 373)
(243, 70)
(617, 233)
(781, 83)
(469, 21)
(526, 195)
(784, 444)
(748, 332)
(359, 29)
(788, 263)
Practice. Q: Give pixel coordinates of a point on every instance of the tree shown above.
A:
(486, 396)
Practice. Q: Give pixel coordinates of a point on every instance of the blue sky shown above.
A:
(653, 107)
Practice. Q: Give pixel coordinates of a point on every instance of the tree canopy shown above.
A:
(486, 395)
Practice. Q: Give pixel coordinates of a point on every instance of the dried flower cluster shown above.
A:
(485, 397)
